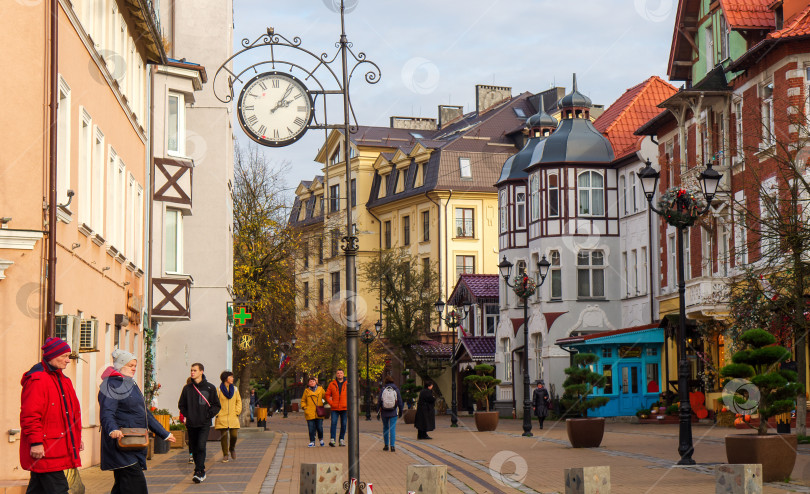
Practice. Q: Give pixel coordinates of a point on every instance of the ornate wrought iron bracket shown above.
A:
(350, 245)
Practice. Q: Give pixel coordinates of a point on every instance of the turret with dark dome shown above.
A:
(540, 125)
(576, 140)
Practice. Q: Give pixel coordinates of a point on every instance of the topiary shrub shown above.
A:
(760, 362)
(482, 383)
(580, 384)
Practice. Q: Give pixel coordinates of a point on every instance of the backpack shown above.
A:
(389, 398)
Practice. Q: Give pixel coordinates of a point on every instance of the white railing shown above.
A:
(706, 291)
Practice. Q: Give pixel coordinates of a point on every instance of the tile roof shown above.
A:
(749, 14)
(798, 26)
(634, 108)
(603, 334)
(434, 349)
(479, 288)
(480, 348)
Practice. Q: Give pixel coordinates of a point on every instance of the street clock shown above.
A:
(275, 109)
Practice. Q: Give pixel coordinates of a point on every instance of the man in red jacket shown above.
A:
(51, 421)
(336, 397)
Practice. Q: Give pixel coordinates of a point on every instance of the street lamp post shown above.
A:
(505, 268)
(368, 338)
(286, 346)
(709, 180)
(453, 321)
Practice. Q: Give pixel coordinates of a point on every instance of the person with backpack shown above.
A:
(390, 406)
(425, 420)
(336, 397)
(199, 404)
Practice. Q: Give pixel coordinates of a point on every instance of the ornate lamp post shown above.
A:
(527, 288)
(682, 210)
(286, 346)
(453, 321)
(368, 338)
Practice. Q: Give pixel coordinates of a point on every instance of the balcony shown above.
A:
(147, 26)
(706, 297)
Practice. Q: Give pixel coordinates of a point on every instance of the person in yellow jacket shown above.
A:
(227, 420)
(313, 398)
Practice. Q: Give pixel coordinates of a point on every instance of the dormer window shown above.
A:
(383, 186)
(335, 158)
(465, 168)
(519, 112)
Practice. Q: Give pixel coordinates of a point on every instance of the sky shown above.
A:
(435, 52)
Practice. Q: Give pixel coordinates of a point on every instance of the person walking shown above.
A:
(389, 406)
(254, 402)
(50, 421)
(121, 405)
(199, 403)
(425, 420)
(336, 397)
(227, 421)
(541, 401)
(310, 401)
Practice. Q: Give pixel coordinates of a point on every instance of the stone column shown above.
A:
(427, 478)
(587, 480)
(321, 478)
(738, 479)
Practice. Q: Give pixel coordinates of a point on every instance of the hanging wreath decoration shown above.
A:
(528, 283)
(693, 205)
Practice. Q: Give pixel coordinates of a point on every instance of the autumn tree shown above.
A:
(263, 264)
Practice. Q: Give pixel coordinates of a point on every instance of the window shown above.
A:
(766, 94)
(724, 38)
(652, 377)
(112, 170)
(591, 274)
(63, 143)
(738, 125)
(502, 209)
(465, 168)
(306, 294)
(335, 158)
(383, 186)
(425, 225)
(708, 50)
(553, 195)
(705, 150)
(623, 192)
(724, 250)
(320, 291)
(465, 265)
(120, 205)
(673, 261)
(687, 257)
(642, 280)
(406, 230)
(333, 243)
(98, 181)
(176, 125)
(174, 241)
(400, 180)
(424, 169)
(520, 269)
(492, 315)
(464, 222)
(591, 194)
(538, 353)
(634, 272)
(625, 276)
(426, 271)
(387, 229)
(335, 283)
(706, 250)
(506, 345)
(634, 191)
(520, 201)
(320, 204)
(63, 328)
(607, 373)
(555, 272)
(534, 190)
(354, 192)
(519, 112)
(130, 218)
(334, 198)
(669, 149)
(320, 250)
(137, 255)
(85, 167)
(607, 352)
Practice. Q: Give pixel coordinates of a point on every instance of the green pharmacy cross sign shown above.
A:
(242, 316)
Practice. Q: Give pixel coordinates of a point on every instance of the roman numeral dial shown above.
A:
(274, 109)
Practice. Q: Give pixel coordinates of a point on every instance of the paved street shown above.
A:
(641, 458)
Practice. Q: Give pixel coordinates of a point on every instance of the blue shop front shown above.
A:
(630, 360)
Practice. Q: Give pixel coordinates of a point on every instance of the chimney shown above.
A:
(413, 123)
(449, 113)
(488, 96)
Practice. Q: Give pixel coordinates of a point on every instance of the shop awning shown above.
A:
(649, 333)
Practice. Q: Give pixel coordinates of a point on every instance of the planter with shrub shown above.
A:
(178, 430)
(482, 386)
(583, 432)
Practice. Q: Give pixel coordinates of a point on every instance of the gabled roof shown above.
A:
(476, 288)
(686, 19)
(633, 109)
(796, 27)
(433, 349)
(749, 14)
(479, 348)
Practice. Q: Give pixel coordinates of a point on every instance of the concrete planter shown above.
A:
(409, 415)
(486, 421)
(586, 432)
(775, 452)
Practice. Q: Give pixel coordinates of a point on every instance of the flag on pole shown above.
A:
(283, 361)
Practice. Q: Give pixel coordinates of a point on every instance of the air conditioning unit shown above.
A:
(121, 320)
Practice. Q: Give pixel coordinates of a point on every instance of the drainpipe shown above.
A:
(380, 252)
(52, 150)
(446, 269)
(150, 203)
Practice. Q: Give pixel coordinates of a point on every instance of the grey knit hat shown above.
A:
(121, 358)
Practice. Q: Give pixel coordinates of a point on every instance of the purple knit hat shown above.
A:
(53, 348)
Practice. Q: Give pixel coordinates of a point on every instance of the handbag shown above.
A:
(74, 480)
(133, 438)
(320, 410)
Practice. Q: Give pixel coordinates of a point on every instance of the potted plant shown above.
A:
(409, 391)
(761, 384)
(178, 430)
(163, 416)
(482, 386)
(583, 432)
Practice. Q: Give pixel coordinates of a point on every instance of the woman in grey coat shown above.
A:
(541, 401)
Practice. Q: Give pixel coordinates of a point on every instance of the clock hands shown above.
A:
(282, 101)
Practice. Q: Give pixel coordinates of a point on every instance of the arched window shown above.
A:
(553, 195)
(502, 208)
(591, 187)
(534, 188)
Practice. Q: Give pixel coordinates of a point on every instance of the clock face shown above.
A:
(274, 109)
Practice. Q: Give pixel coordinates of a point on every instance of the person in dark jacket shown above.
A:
(540, 401)
(254, 402)
(425, 420)
(390, 415)
(50, 421)
(121, 405)
(199, 404)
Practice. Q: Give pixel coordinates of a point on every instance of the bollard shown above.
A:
(261, 417)
(427, 479)
(321, 478)
(738, 479)
(587, 480)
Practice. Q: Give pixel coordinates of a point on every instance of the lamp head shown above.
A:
(378, 326)
(505, 268)
(709, 181)
(439, 305)
(649, 180)
(543, 266)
